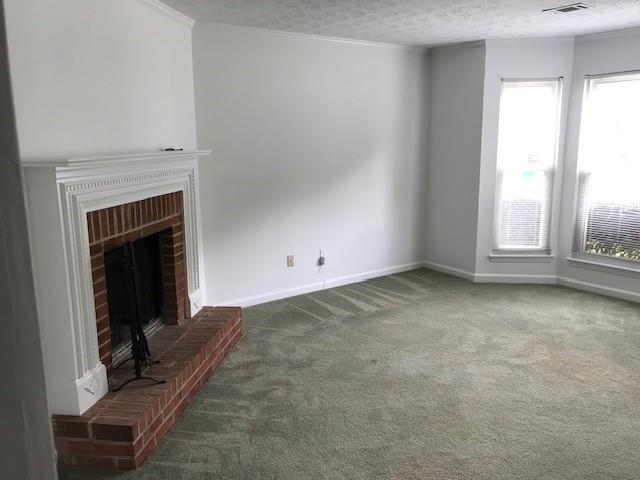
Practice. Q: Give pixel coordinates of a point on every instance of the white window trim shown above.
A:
(606, 265)
(595, 261)
(528, 257)
(543, 255)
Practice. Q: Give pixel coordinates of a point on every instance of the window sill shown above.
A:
(521, 257)
(604, 266)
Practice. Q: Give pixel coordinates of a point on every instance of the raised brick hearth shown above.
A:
(122, 428)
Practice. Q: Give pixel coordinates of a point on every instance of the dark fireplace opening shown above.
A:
(147, 254)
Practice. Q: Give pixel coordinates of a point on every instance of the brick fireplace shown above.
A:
(109, 228)
(81, 211)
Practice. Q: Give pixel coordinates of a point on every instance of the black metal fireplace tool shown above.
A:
(140, 353)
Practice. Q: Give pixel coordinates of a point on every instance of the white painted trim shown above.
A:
(110, 160)
(602, 290)
(315, 38)
(361, 277)
(489, 277)
(621, 33)
(60, 196)
(169, 12)
(603, 267)
(314, 287)
(476, 278)
(444, 47)
(456, 272)
(535, 279)
(509, 278)
(523, 258)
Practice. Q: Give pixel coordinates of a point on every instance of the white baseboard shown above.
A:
(360, 277)
(473, 277)
(456, 272)
(594, 288)
(535, 279)
(314, 287)
(513, 278)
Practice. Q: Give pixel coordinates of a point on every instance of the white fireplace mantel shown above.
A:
(59, 196)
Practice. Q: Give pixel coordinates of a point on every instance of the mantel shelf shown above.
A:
(112, 159)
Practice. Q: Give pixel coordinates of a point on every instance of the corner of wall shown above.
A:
(172, 13)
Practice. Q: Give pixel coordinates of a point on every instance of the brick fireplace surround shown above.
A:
(122, 428)
(111, 227)
(81, 208)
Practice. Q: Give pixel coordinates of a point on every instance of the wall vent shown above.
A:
(572, 7)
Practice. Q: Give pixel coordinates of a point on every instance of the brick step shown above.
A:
(123, 427)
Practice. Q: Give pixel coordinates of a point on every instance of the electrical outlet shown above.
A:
(322, 258)
(289, 260)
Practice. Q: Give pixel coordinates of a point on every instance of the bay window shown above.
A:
(608, 210)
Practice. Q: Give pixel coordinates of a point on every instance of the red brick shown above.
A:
(104, 224)
(115, 428)
(69, 426)
(189, 354)
(127, 464)
(101, 310)
(90, 229)
(79, 460)
(95, 249)
(111, 221)
(103, 336)
(115, 449)
(72, 446)
(103, 462)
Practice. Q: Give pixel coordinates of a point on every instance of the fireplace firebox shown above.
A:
(155, 227)
(149, 278)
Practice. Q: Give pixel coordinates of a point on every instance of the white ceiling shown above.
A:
(416, 22)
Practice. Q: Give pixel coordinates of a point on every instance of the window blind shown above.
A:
(608, 210)
(526, 163)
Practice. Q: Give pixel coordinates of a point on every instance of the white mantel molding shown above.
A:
(59, 196)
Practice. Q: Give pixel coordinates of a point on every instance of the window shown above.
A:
(526, 163)
(608, 214)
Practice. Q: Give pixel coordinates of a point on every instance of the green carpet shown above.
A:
(417, 376)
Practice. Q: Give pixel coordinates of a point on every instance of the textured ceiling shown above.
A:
(416, 22)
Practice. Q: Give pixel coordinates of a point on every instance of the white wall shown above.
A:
(25, 435)
(99, 77)
(456, 77)
(594, 54)
(532, 58)
(316, 145)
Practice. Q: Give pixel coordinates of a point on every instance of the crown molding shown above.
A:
(311, 37)
(158, 6)
(445, 47)
(620, 33)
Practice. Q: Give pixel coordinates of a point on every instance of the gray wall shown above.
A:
(26, 450)
(317, 144)
(455, 98)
